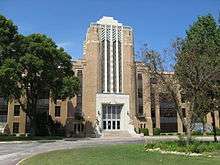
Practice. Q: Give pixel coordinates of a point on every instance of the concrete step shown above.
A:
(116, 134)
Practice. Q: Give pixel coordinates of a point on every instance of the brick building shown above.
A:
(117, 93)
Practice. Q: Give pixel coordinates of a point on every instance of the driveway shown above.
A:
(12, 152)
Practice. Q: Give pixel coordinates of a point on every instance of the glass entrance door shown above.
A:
(111, 115)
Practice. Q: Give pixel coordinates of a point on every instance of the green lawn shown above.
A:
(132, 154)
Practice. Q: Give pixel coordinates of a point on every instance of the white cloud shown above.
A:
(66, 45)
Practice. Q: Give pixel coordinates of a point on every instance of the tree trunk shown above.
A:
(203, 126)
(188, 134)
(213, 126)
(33, 124)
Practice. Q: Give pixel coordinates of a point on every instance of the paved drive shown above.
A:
(12, 152)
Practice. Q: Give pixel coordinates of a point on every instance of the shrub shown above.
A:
(157, 131)
(212, 133)
(218, 131)
(144, 131)
(197, 133)
(194, 147)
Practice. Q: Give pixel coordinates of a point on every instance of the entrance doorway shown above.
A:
(111, 115)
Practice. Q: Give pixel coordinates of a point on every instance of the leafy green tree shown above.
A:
(39, 66)
(9, 39)
(197, 68)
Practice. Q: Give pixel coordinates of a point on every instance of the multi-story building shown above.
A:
(117, 94)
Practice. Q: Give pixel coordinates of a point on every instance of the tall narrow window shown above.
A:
(17, 110)
(57, 111)
(15, 127)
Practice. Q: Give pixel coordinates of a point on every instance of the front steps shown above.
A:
(113, 134)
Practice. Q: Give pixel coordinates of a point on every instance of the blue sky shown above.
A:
(156, 22)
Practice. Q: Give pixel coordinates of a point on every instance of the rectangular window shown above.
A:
(109, 112)
(57, 111)
(113, 124)
(118, 111)
(113, 112)
(17, 110)
(140, 93)
(104, 111)
(140, 108)
(15, 127)
(109, 124)
(183, 98)
(74, 129)
(104, 124)
(78, 128)
(118, 124)
(139, 76)
(184, 112)
(82, 127)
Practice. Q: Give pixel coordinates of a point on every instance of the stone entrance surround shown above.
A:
(126, 121)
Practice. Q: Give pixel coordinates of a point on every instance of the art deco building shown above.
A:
(117, 93)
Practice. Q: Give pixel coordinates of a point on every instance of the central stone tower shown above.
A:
(109, 78)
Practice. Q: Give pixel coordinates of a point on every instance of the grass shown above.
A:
(132, 154)
(23, 138)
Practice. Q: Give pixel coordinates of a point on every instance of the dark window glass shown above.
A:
(17, 110)
(118, 112)
(184, 112)
(82, 127)
(139, 76)
(183, 98)
(109, 112)
(113, 112)
(104, 111)
(118, 124)
(141, 109)
(104, 124)
(140, 93)
(15, 127)
(74, 129)
(113, 124)
(57, 111)
(109, 124)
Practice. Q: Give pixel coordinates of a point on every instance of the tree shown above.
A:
(39, 66)
(9, 39)
(197, 68)
(168, 82)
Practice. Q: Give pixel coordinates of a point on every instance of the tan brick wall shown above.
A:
(91, 78)
(129, 81)
(21, 119)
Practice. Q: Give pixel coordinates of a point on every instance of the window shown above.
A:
(139, 76)
(57, 111)
(82, 127)
(184, 112)
(15, 127)
(17, 110)
(183, 98)
(140, 109)
(140, 93)
(78, 127)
